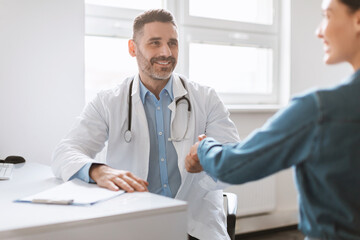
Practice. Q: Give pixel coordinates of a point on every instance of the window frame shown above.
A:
(196, 35)
(188, 20)
(105, 21)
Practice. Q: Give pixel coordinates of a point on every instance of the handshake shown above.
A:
(192, 162)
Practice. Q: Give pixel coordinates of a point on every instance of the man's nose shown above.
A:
(165, 50)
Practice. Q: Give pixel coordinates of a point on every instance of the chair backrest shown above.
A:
(231, 205)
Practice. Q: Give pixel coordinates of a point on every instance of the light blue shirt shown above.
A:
(83, 174)
(164, 175)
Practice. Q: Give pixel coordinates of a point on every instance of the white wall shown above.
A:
(307, 67)
(41, 74)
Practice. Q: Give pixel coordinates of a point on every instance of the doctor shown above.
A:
(149, 123)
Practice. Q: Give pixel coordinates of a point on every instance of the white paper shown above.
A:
(80, 192)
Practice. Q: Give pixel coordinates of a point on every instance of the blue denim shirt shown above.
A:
(318, 134)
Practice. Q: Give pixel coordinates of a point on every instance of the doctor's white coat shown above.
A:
(105, 119)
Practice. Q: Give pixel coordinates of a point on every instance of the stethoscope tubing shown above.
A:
(128, 133)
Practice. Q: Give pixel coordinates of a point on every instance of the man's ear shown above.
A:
(132, 47)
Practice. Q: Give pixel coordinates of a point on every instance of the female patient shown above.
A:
(318, 133)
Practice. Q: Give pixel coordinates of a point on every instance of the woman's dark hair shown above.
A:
(353, 5)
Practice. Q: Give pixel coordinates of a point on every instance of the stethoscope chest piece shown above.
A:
(128, 136)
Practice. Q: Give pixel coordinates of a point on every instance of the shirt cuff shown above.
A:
(83, 174)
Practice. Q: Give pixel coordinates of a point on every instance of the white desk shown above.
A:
(127, 217)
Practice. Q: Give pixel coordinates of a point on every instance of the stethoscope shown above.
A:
(128, 133)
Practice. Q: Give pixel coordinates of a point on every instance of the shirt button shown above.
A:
(160, 133)
(165, 185)
(162, 159)
(158, 108)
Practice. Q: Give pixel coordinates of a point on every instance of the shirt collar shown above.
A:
(168, 88)
(356, 76)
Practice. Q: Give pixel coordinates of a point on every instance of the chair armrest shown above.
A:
(231, 200)
(231, 203)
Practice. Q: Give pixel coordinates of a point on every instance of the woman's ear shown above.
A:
(357, 21)
(132, 47)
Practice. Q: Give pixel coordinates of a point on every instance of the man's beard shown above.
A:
(148, 66)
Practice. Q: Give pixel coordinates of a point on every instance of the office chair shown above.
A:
(231, 205)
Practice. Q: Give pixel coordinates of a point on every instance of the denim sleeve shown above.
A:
(286, 139)
(83, 174)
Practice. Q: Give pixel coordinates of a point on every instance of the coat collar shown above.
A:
(178, 88)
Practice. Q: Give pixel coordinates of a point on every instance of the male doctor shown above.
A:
(149, 122)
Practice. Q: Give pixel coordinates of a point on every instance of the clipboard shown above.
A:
(74, 192)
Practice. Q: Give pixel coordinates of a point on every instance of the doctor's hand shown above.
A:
(115, 179)
(192, 162)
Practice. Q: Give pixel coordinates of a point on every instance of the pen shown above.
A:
(50, 201)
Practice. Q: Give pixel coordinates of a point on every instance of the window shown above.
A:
(254, 11)
(107, 63)
(133, 4)
(245, 71)
(237, 39)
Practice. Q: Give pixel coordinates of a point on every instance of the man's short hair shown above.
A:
(154, 15)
